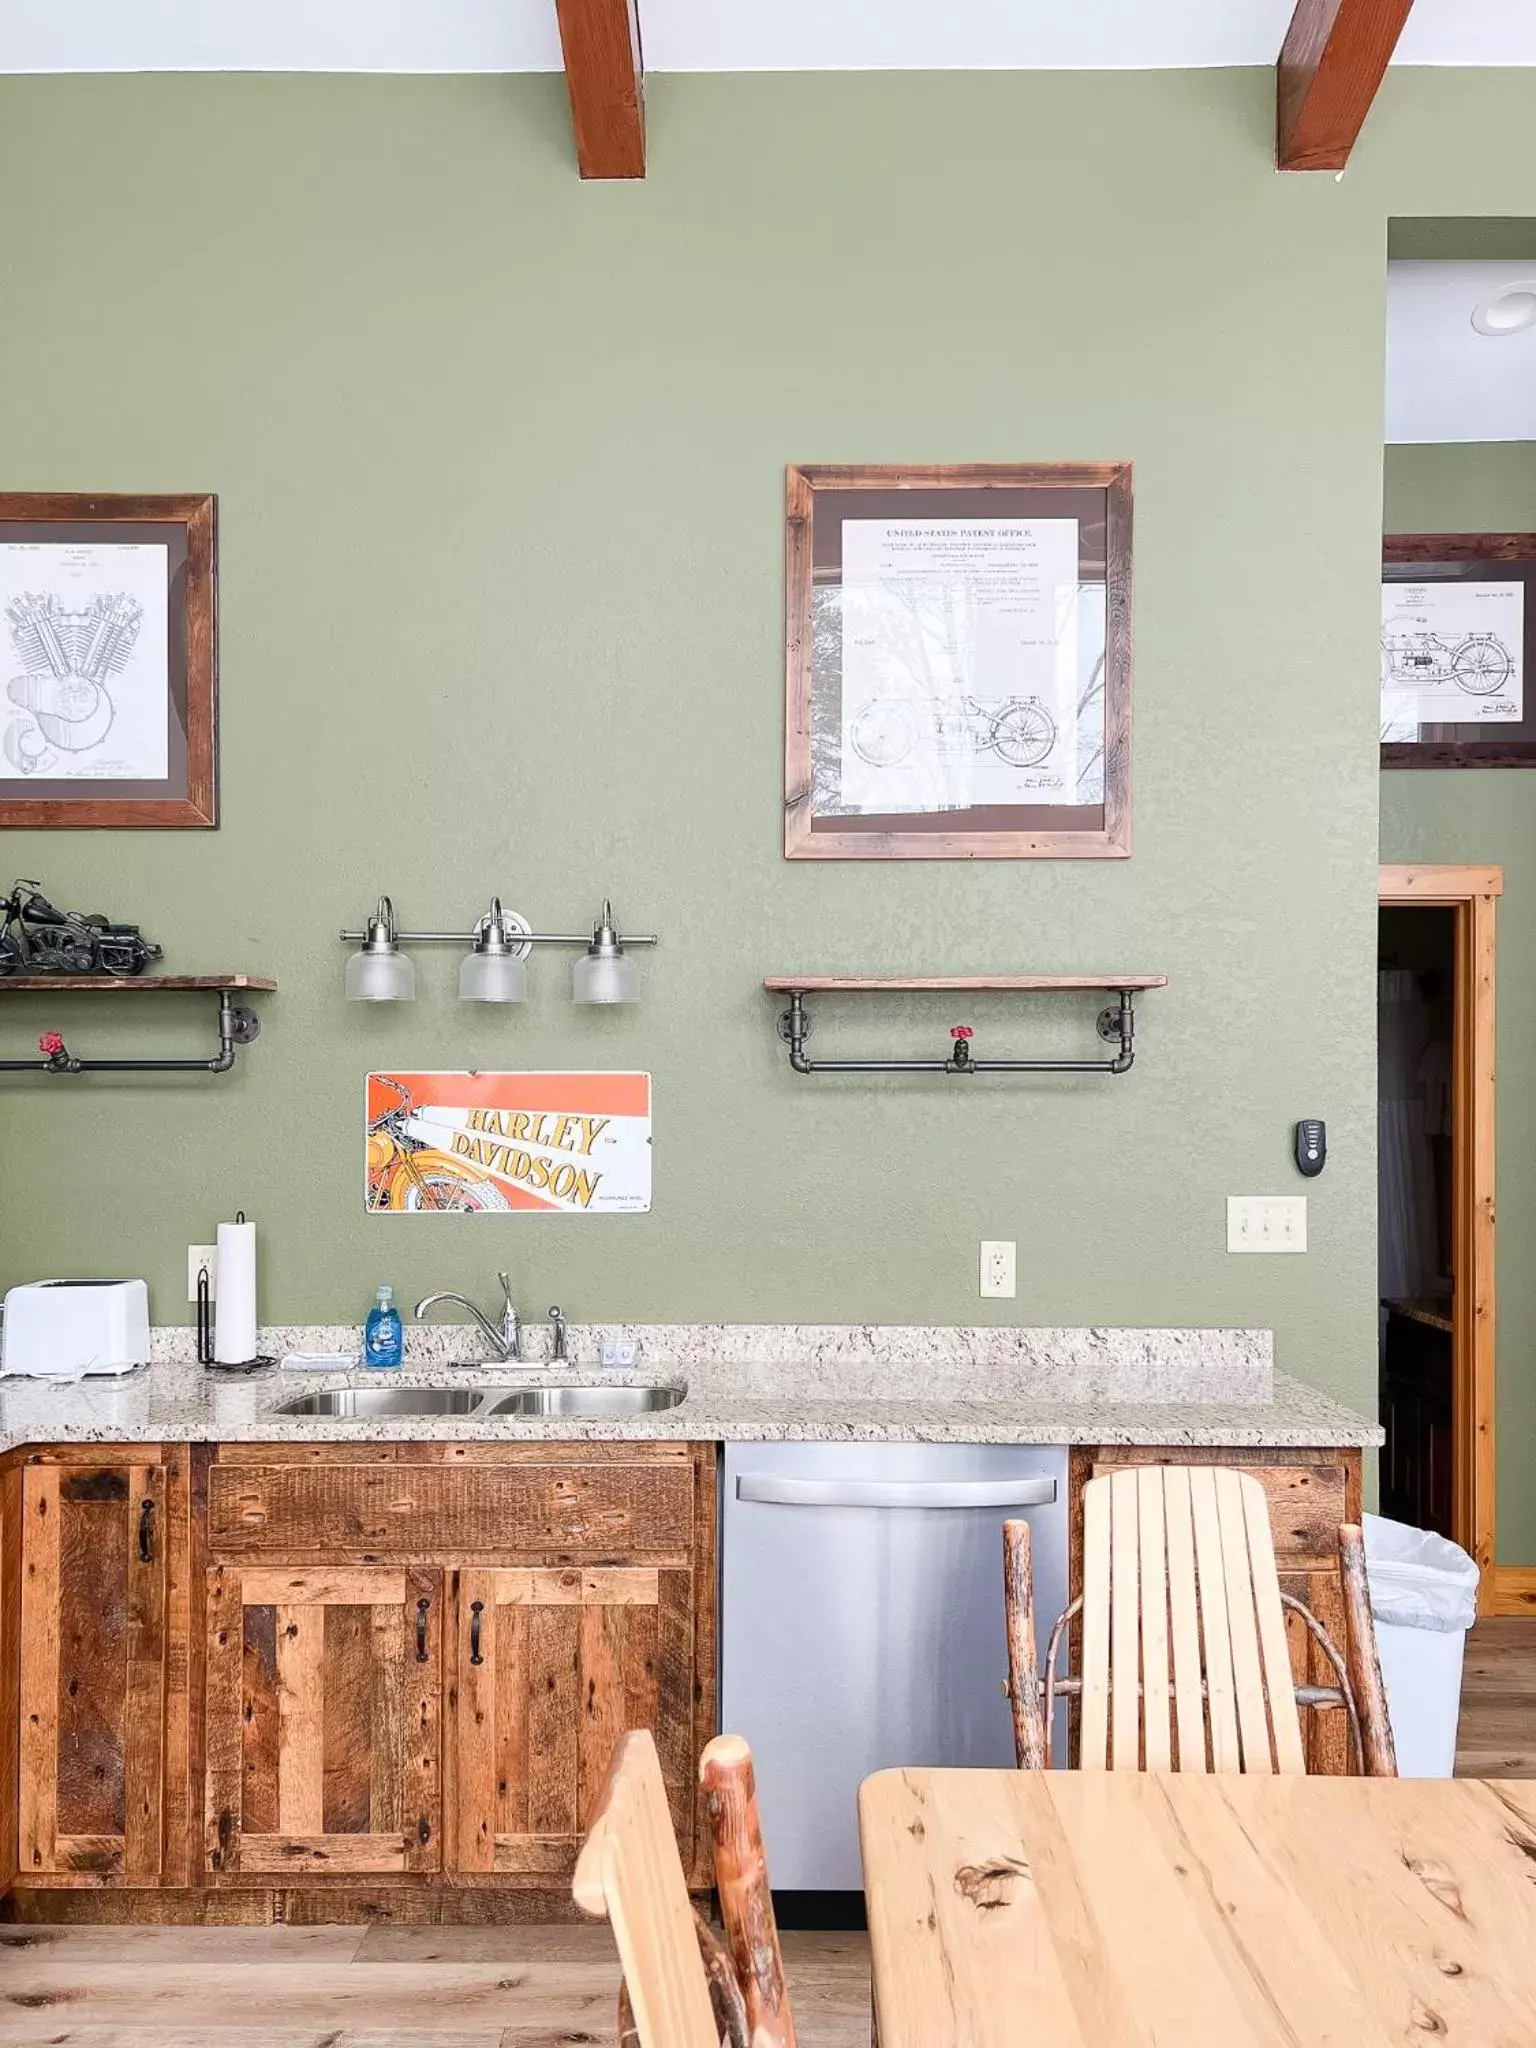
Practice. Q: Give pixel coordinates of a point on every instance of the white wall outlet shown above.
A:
(999, 1268)
(198, 1256)
(1266, 1223)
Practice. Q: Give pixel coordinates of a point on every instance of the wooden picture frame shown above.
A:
(109, 633)
(968, 776)
(1462, 558)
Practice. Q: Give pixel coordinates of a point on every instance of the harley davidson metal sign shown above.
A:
(488, 1144)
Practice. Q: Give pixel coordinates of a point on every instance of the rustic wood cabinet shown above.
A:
(91, 1672)
(343, 1682)
(322, 1721)
(1310, 1493)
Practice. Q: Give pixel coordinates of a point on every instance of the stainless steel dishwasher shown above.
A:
(862, 1622)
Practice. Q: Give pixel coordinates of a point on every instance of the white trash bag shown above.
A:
(1424, 1599)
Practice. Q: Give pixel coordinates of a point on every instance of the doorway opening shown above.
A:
(1435, 1103)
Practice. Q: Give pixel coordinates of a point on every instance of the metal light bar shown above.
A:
(519, 938)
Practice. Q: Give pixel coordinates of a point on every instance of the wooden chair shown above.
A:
(1185, 1658)
(681, 1989)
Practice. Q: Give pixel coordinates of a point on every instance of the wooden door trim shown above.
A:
(1425, 882)
(1472, 892)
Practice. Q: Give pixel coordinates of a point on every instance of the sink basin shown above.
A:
(591, 1401)
(362, 1403)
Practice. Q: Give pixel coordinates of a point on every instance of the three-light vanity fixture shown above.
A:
(493, 970)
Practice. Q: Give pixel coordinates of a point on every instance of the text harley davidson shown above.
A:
(503, 1133)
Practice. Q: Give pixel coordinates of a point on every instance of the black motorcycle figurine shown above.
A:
(37, 939)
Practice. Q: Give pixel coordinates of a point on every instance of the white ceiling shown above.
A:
(713, 35)
(1445, 381)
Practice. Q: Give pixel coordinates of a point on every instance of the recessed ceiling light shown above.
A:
(1509, 311)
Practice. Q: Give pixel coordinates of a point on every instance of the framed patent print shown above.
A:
(1458, 650)
(958, 662)
(108, 661)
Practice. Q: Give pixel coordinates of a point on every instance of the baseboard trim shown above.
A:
(1512, 1590)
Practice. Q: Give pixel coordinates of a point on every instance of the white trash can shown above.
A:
(1423, 1599)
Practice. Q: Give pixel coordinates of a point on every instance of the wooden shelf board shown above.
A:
(79, 984)
(975, 984)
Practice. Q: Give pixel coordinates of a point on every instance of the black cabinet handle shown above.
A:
(146, 1547)
(421, 1630)
(476, 1609)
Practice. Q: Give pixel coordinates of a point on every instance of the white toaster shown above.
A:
(59, 1329)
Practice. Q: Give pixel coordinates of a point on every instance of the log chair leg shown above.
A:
(1023, 1668)
(1361, 1660)
(741, 1877)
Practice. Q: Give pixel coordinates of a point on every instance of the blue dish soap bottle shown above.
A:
(383, 1338)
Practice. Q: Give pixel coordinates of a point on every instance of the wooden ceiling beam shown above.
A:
(606, 81)
(1335, 56)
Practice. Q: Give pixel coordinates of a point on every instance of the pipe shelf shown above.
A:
(238, 1025)
(1116, 1022)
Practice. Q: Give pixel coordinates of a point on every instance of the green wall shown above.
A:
(1478, 815)
(499, 460)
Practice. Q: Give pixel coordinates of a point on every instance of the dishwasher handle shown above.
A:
(1023, 1492)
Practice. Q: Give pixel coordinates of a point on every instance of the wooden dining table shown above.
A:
(1072, 1909)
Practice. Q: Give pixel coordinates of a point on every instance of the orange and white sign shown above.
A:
(577, 1144)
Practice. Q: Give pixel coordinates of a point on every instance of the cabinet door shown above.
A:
(92, 1672)
(550, 1667)
(321, 1721)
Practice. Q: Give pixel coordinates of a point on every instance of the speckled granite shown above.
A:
(863, 1360)
(745, 1399)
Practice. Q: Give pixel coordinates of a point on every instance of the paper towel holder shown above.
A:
(239, 1368)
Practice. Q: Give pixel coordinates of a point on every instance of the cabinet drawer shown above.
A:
(1306, 1502)
(642, 1513)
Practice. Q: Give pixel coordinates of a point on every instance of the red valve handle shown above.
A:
(51, 1042)
(961, 1031)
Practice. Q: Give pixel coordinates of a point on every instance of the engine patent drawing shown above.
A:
(61, 699)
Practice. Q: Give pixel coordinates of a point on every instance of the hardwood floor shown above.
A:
(352, 1987)
(498, 1987)
(1497, 1736)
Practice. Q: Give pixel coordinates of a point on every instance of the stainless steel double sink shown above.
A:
(368, 1404)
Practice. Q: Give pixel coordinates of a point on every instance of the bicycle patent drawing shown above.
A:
(888, 731)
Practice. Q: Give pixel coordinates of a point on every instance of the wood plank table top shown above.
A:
(1059, 1909)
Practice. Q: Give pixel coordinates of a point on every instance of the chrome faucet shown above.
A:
(506, 1334)
(559, 1355)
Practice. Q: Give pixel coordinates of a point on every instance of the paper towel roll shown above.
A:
(234, 1326)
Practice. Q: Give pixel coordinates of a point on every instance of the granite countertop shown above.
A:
(884, 1386)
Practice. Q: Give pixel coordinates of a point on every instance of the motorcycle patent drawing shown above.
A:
(406, 1173)
(887, 731)
(1480, 664)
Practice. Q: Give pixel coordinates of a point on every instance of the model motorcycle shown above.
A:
(37, 939)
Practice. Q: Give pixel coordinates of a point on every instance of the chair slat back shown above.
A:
(1095, 1625)
(1180, 1586)
(1183, 1618)
(630, 1873)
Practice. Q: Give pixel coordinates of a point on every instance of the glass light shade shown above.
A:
(492, 978)
(380, 977)
(605, 978)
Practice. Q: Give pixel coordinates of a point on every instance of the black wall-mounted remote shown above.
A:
(1311, 1146)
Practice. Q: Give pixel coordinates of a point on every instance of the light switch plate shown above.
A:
(1266, 1223)
(198, 1256)
(999, 1268)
